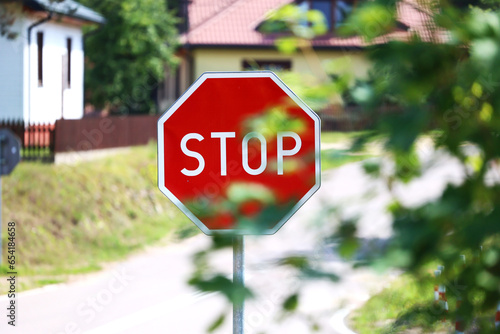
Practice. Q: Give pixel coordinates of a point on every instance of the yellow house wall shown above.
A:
(312, 62)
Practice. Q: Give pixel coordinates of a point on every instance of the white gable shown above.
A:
(22, 94)
(51, 100)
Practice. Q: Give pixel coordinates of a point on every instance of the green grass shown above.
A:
(334, 158)
(40, 153)
(47, 281)
(387, 312)
(407, 306)
(72, 218)
(328, 137)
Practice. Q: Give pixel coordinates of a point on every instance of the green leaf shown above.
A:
(239, 192)
(370, 20)
(216, 323)
(218, 283)
(348, 247)
(287, 45)
(299, 262)
(372, 168)
(291, 303)
(407, 165)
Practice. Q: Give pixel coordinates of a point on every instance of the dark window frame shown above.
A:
(39, 42)
(333, 9)
(69, 47)
(265, 64)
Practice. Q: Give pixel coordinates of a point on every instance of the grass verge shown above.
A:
(333, 158)
(340, 154)
(329, 137)
(408, 307)
(72, 218)
(407, 304)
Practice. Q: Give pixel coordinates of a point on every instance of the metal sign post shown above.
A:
(238, 281)
(0, 218)
(2, 162)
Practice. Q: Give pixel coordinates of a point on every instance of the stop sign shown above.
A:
(239, 152)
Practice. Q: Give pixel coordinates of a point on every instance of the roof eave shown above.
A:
(264, 46)
(101, 21)
(38, 7)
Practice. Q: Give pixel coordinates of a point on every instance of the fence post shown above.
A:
(35, 141)
(52, 141)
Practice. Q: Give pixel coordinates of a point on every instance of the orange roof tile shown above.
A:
(234, 23)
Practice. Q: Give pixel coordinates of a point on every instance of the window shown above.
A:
(39, 42)
(335, 11)
(271, 65)
(68, 69)
(325, 7)
(342, 10)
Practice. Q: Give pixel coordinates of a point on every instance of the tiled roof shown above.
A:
(234, 23)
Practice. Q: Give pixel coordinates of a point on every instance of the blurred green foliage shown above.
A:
(291, 18)
(274, 120)
(446, 86)
(443, 85)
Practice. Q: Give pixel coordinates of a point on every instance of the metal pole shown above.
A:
(1, 220)
(2, 162)
(238, 280)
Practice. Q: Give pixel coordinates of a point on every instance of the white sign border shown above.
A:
(243, 74)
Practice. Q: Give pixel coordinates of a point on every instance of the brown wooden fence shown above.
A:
(348, 119)
(42, 141)
(343, 123)
(106, 132)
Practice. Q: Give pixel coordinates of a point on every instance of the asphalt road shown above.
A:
(148, 293)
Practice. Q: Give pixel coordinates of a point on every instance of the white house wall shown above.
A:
(11, 75)
(48, 102)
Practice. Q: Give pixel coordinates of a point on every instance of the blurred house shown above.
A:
(227, 35)
(41, 70)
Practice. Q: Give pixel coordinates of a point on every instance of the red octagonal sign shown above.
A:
(239, 153)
